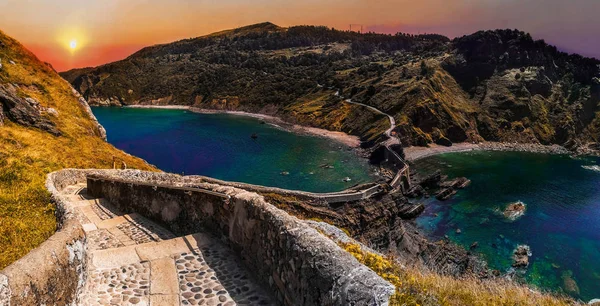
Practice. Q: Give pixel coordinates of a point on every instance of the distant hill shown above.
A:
(44, 127)
(495, 85)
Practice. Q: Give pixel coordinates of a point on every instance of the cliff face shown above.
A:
(529, 91)
(495, 85)
(44, 126)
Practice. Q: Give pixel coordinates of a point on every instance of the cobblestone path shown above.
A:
(134, 261)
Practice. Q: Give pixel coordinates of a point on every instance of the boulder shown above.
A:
(52, 111)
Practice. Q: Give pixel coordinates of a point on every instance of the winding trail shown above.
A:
(391, 138)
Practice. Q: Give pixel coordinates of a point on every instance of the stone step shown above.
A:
(192, 270)
(125, 230)
(108, 227)
(134, 261)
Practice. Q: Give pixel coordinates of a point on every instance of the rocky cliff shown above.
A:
(495, 85)
(44, 126)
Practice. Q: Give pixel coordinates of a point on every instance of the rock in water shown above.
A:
(254, 136)
(521, 256)
(514, 210)
(433, 180)
(594, 302)
(569, 283)
(445, 194)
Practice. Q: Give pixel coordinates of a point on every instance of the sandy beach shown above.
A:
(341, 137)
(416, 153)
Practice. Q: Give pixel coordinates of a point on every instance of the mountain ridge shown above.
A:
(499, 85)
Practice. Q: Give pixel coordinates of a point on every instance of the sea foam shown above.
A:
(592, 167)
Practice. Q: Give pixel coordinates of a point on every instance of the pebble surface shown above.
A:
(126, 285)
(102, 239)
(213, 277)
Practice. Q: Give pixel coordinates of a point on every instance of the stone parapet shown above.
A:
(53, 273)
(302, 266)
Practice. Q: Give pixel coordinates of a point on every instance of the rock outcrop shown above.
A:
(514, 210)
(24, 111)
(521, 256)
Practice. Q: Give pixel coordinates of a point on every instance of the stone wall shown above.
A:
(53, 273)
(299, 264)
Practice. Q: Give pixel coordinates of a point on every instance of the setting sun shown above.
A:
(72, 39)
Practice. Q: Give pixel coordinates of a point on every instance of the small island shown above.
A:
(514, 210)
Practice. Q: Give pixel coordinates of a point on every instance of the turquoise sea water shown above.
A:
(561, 223)
(220, 146)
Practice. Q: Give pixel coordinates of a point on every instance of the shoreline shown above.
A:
(415, 153)
(341, 137)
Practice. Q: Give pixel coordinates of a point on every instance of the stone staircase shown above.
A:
(134, 261)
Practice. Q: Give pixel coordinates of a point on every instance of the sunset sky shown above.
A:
(110, 30)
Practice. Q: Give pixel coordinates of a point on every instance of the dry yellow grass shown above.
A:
(27, 155)
(414, 286)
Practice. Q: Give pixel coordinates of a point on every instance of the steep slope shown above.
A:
(494, 85)
(529, 90)
(44, 127)
(259, 68)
